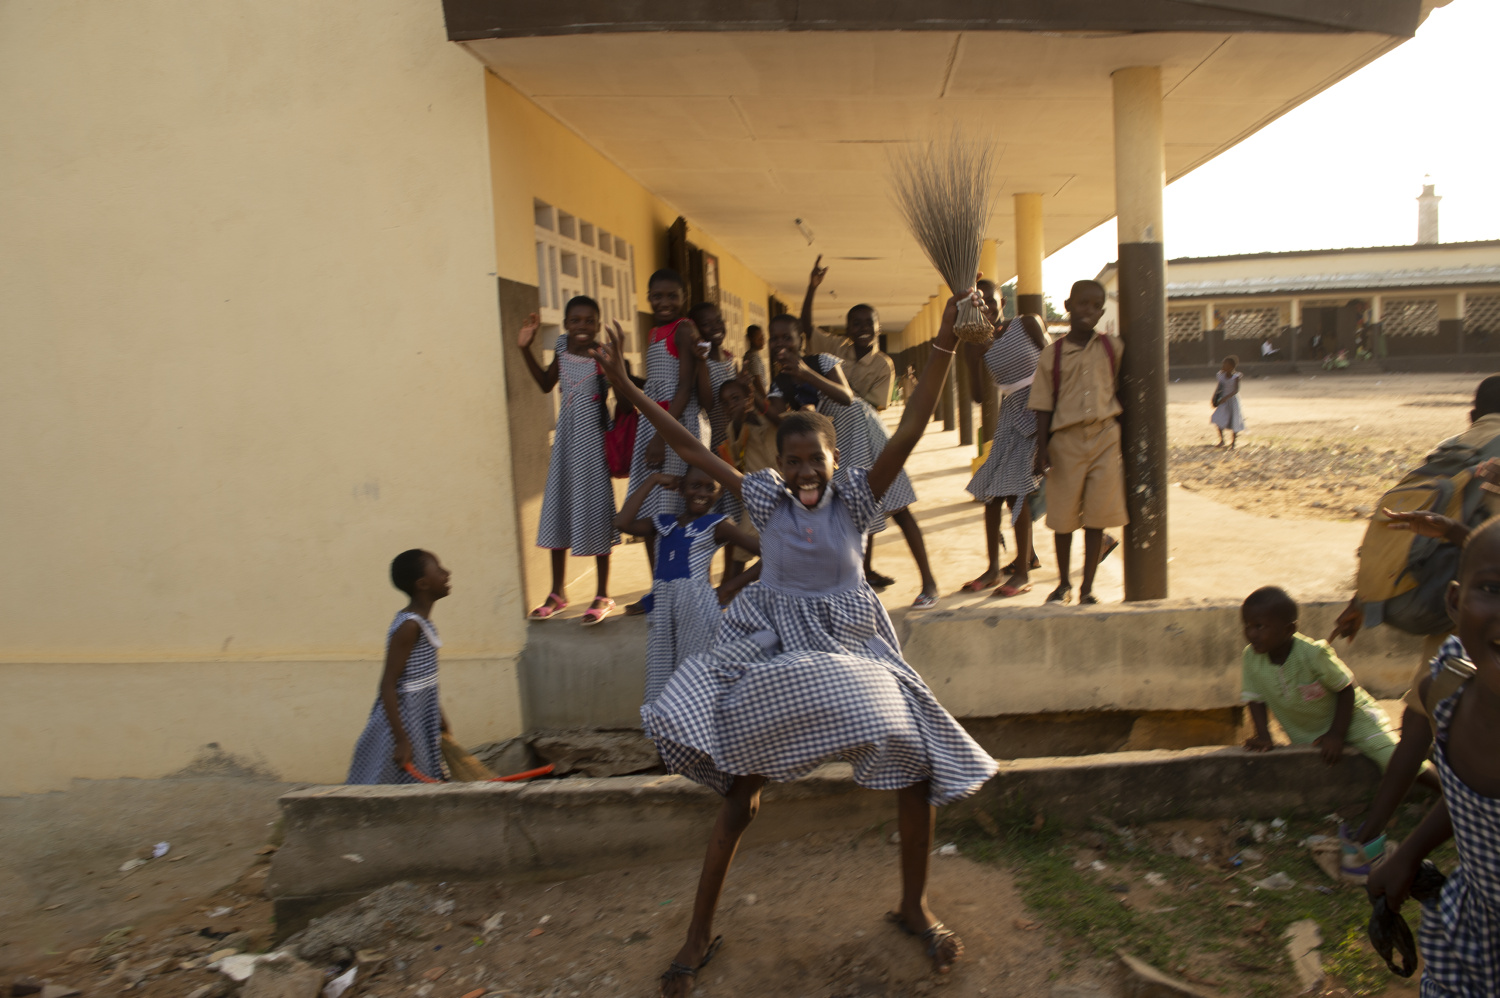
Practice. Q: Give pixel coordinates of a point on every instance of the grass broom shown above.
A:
(944, 191)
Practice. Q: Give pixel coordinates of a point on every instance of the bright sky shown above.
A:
(1345, 167)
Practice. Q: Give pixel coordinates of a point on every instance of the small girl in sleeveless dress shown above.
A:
(807, 668)
(406, 723)
(1226, 402)
(684, 609)
(1460, 931)
(578, 507)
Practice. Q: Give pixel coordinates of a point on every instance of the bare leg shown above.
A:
(1221, 436)
(1093, 543)
(601, 571)
(1234, 438)
(735, 814)
(1064, 543)
(1021, 575)
(559, 569)
(993, 510)
(913, 535)
(915, 818)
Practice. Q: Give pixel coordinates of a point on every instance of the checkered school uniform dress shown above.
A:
(685, 612)
(807, 668)
(721, 372)
(578, 508)
(1011, 361)
(1460, 932)
(417, 697)
(661, 385)
(861, 437)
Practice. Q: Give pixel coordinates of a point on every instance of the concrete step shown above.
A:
(342, 842)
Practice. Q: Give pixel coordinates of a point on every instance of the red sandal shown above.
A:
(595, 614)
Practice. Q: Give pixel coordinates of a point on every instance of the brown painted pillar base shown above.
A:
(1143, 393)
(1031, 305)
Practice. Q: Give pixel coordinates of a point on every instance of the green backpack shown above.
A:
(1403, 577)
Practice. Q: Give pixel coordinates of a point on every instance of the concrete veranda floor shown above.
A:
(1216, 551)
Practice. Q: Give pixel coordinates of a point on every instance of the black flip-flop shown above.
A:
(676, 970)
(1062, 594)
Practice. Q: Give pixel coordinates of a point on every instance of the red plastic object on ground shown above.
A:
(422, 777)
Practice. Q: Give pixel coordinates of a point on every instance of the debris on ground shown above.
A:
(1138, 979)
(394, 912)
(1302, 942)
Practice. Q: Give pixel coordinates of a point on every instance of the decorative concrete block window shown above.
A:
(1249, 323)
(1185, 325)
(1410, 317)
(1482, 315)
(575, 257)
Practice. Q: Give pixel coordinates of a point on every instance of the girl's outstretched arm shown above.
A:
(628, 519)
(692, 450)
(547, 379)
(730, 588)
(923, 400)
(726, 532)
(833, 385)
(685, 339)
(813, 280)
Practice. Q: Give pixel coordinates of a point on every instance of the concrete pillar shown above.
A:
(1140, 173)
(1030, 250)
(1296, 333)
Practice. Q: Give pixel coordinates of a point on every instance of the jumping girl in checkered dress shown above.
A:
(1460, 932)
(578, 507)
(406, 723)
(684, 609)
(807, 668)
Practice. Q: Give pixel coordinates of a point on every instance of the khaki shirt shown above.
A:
(1087, 387)
(869, 377)
(755, 448)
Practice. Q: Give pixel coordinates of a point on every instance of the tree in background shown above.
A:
(1009, 291)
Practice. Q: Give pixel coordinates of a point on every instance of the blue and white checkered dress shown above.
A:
(661, 385)
(578, 507)
(417, 696)
(807, 668)
(1460, 932)
(685, 612)
(1011, 361)
(720, 373)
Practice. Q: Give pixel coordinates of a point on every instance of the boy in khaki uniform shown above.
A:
(1078, 438)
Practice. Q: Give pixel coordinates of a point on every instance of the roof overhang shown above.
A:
(744, 130)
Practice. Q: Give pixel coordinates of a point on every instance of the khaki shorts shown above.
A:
(1086, 483)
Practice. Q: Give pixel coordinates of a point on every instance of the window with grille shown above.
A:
(1185, 325)
(1249, 323)
(1482, 314)
(1414, 317)
(575, 257)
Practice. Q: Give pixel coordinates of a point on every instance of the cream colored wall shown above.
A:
(1334, 263)
(536, 157)
(251, 348)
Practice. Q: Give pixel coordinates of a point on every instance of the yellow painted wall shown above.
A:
(248, 309)
(535, 156)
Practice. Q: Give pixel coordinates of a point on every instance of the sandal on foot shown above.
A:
(1007, 591)
(545, 612)
(1015, 567)
(878, 581)
(979, 585)
(1062, 594)
(1109, 545)
(1088, 599)
(676, 970)
(935, 936)
(594, 614)
(924, 602)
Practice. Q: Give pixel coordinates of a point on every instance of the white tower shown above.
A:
(1427, 213)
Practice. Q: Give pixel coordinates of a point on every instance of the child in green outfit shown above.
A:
(1305, 685)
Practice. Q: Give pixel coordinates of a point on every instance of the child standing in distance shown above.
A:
(406, 723)
(755, 359)
(1307, 687)
(578, 507)
(1078, 439)
(1226, 402)
(1009, 475)
(751, 447)
(677, 379)
(1460, 932)
(861, 434)
(807, 667)
(685, 610)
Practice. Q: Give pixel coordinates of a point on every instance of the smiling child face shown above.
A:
(806, 462)
(699, 492)
(1474, 604)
